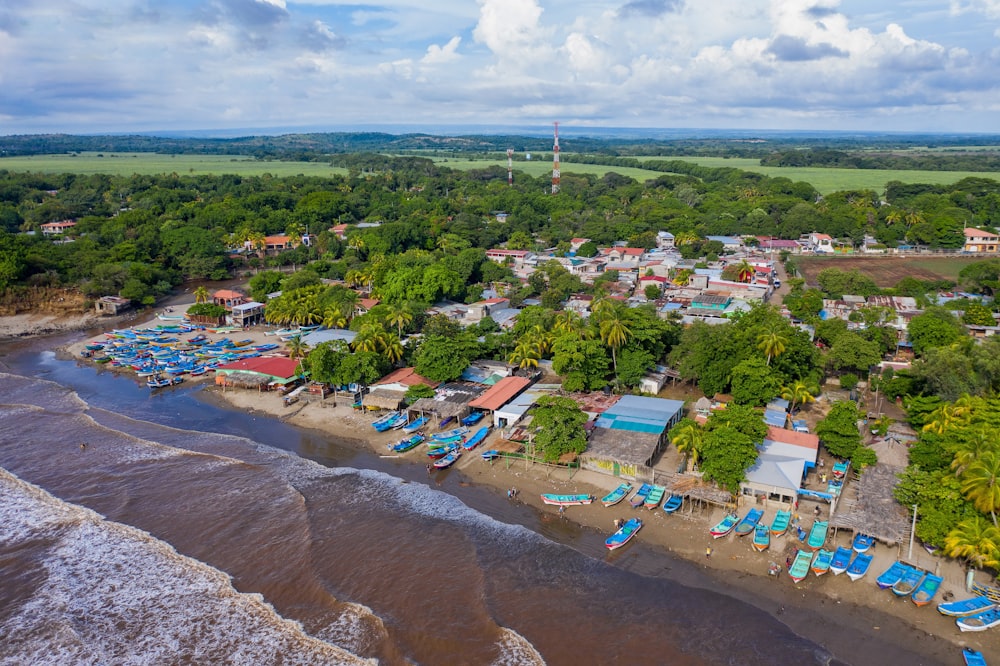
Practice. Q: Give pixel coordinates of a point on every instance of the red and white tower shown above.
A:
(510, 166)
(555, 161)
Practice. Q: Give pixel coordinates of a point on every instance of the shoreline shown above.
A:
(858, 612)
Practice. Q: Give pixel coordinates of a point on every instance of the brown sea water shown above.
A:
(188, 533)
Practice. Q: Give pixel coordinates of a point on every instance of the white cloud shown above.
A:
(438, 55)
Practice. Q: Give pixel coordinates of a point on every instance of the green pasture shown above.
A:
(126, 164)
(538, 168)
(828, 180)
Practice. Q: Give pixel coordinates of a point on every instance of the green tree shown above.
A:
(980, 482)
(838, 431)
(201, 294)
(850, 351)
(418, 391)
(935, 327)
(264, 283)
(558, 423)
(799, 393)
(753, 383)
(976, 541)
(582, 364)
(772, 343)
(442, 359)
(297, 348)
(614, 333)
(525, 355)
(977, 314)
(727, 454)
(687, 436)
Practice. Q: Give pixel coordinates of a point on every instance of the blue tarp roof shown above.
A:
(640, 414)
(775, 418)
(778, 404)
(631, 423)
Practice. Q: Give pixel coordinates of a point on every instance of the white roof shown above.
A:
(247, 306)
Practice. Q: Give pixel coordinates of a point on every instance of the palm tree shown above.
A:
(976, 541)
(542, 339)
(979, 439)
(354, 277)
(949, 415)
(772, 343)
(688, 439)
(567, 321)
(980, 483)
(392, 348)
(334, 318)
(893, 217)
(745, 271)
(798, 393)
(297, 348)
(685, 238)
(614, 333)
(525, 355)
(399, 317)
(201, 295)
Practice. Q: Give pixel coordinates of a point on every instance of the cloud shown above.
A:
(795, 49)
(438, 55)
(649, 8)
(317, 36)
(990, 8)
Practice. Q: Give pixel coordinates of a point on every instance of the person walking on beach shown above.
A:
(708, 553)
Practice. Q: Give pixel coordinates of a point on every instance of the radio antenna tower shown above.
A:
(510, 167)
(555, 161)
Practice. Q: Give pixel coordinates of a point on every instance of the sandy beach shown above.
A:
(860, 605)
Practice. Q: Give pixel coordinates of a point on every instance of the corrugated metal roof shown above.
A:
(501, 393)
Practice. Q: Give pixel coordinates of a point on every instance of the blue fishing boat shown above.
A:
(821, 562)
(477, 438)
(969, 606)
(859, 567)
(437, 452)
(908, 582)
(761, 537)
(673, 503)
(724, 526)
(624, 534)
(616, 495)
(414, 426)
(654, 497)
(445, 421)
(840, 469)
(780, 523)
(449, 435)
(979, 621)
(891, 576)
(862, 542)
(925, 592)
(841, 560)
(800, 566)
(448, 460)
(382, 424)
(408, 443)
(472, 419)
(973, 657)
(749, 522)
(566, 500)
(490, 455)
(817, 535)
(157, 381)
(639, 497)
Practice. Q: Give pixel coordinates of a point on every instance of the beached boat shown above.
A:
(821, 562)
(440, 450)
(490, 455)
(761, 537)
(382, 424)
(567, 500)
(616, 495)
(973, 657)
(841, 560)
(639, 496)
(817, 535)
(477, 438)
(401, 421)
(891, 576)
(724, 526)
(969, 606)
(673, 503)
(654, 497)
(859, 567)
(780, 523)
(749, 522)
(800, 567)
(472, 419)
(448, 460)
(408, 443)
(445, 421)
(908, 582)
(624, 534)
(450, 434)
(414, 426)
(840, 469)
(862, 542)
(157, 381)
(979, 621)
(925, 592)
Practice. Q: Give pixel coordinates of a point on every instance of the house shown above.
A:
(656, 280)
(486, 308)
(622, 257)
(498, 399)
(977, 240)
(516, 258)
(390, 391)
(278, 243)
(248, 314)
(784, 458)
(628, 437)
(259, 371)
(664, 240)
(575, 243)
(57, 228)
(228, 298)
(111, 305)
(779, 244)
(729, 243)
(339, 230)
(364, 305)
(821, 243)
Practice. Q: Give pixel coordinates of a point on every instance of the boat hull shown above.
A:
(616, 495)
(567, 500)
(964, 607)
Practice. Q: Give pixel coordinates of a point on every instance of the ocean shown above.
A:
(187, 533)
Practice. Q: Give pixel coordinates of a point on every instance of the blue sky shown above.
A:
(87, 66)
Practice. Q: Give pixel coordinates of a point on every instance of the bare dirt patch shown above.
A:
(886, 271)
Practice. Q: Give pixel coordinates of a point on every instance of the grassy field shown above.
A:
(126, 164)
(538, 168)
(887, 271)
(828, 180)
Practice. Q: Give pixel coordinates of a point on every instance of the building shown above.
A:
(629, 436)
(821, 243)
(664, 240)
(247, 314)
(111, 305)
(785, 456)
(486, 308)
(390, 391)
(498, 400)
(259, 372)
(57, 228)
(977, 240)
(729, 243)
(516, 258)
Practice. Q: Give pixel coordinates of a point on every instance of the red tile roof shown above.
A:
(276, 366)
(405, 376)
(500, 393)
(227, 294)
(803, 439)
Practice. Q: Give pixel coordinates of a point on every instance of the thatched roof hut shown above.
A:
(384, 399)
(875, 512)
(694, 487)
(243, 380)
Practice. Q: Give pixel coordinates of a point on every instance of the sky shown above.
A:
(119, 66)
